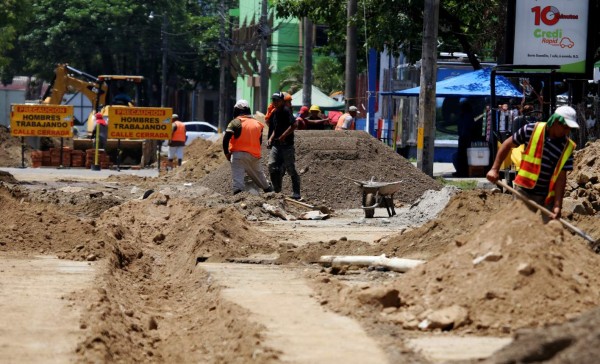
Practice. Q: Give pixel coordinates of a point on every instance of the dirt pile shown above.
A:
(582, 195)
(10, 150)
(152, 287)
(31, 227)
(463, 215)
(200, 158)
(512, 272)
(324, 159)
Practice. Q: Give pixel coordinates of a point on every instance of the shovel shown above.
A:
(593, 242)
(323, 209)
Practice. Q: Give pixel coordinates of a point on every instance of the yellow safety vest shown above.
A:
(531, 163)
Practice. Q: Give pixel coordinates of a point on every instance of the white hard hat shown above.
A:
(569, 114)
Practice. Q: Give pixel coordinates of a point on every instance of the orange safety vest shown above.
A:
(531, 163)
(249, 139)
(270, 110)
(179, 134)
(340, 122)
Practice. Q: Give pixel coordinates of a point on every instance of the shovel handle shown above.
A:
(548, 213)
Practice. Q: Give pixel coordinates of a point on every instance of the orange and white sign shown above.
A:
(41, 121)
(140, 123)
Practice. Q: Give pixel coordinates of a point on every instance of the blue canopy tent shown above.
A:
(476, 84)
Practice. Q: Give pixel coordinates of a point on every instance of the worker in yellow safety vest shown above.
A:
(548, 156)
(242, 147)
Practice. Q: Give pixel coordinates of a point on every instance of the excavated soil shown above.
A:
(492, 266)
(325, 160)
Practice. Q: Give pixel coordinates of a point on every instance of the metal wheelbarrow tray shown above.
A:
(376, 194)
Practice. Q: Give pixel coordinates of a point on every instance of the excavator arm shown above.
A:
(65, 81)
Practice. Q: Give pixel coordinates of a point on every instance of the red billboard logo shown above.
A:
(549, 15)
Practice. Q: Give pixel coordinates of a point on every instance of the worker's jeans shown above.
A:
(283, 159)
(243, 163)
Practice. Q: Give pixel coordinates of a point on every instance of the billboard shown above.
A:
(551, 33)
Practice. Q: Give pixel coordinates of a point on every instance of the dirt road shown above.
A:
(40, 320)
(494, 272)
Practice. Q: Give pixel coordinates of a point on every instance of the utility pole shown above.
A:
(308, 62)
(426, 128)
(350, 92)
(264, 66)
(223, 63)
(165, 50)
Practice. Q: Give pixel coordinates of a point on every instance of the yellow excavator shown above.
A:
(98, 90)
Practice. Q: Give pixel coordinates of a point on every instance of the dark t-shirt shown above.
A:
(281, 120)
(551, 153)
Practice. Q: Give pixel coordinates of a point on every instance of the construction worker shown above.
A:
(241, 145)
(347, 121)
(316, 120)
(547, 158)
(177, 142)
(100, 131)
(281, 142)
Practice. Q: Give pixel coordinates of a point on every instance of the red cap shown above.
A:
(99, 116)
(303, 109)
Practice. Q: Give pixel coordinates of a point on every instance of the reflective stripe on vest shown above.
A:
(249, 139)
(531, 164)
(561, 163)
(179, 133)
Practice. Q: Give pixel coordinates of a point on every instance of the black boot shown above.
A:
(296, 187)
(276, 179)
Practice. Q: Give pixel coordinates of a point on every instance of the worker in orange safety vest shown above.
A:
(347, 121)
(242, 147)
(547, 158)
(177, 142)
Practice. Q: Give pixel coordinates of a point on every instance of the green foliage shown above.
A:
(466, 184)
(397, 25)
(327, 76)
(113, 37)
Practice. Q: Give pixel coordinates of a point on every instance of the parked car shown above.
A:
(200, 129)
(195, 130)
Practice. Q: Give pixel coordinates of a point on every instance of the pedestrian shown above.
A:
(177, 142)
(242, 147)
(281, 142)
(547, 158)
(100, 131)
(347, 121)
(300, 118)
(316, 120)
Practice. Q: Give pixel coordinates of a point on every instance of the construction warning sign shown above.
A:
(140, 123)
(41, 121)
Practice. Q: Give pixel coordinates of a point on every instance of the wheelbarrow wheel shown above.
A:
(369, 200)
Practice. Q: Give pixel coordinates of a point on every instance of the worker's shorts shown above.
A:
(175, 152)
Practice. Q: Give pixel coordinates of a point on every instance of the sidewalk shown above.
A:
(445, 171)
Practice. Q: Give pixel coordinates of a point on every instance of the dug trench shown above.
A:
(492, 267)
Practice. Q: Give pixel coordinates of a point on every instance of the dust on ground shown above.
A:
(493, 268)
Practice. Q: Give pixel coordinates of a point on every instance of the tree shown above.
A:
(116, 37)
(12, 16)
(327, 76)
(468, 26)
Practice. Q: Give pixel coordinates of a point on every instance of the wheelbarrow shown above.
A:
(376, 194)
